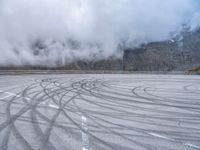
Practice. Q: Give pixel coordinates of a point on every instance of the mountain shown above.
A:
(180, 53)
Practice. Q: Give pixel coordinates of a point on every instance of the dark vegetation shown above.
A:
(182, 53)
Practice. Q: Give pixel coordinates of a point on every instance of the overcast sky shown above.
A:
(98, 25)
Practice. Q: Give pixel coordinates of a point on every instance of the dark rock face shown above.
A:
(181, 53)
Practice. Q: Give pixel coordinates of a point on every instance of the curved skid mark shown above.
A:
(142, 105)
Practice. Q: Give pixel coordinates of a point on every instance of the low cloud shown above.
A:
(55, 32)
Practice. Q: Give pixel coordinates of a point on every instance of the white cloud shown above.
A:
(98, 25)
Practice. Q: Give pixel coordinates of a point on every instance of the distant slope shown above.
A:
(181, 53)
(194, 71)
(111, 63)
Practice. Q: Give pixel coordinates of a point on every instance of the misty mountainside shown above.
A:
(178, 54)
(181, 53)
(93, 34)
(95, 61)
(63, 55)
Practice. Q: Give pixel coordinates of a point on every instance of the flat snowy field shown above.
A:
(100, 112)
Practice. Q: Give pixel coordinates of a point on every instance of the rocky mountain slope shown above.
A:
(180, 53)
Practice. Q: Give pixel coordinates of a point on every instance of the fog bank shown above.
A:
(55, 32)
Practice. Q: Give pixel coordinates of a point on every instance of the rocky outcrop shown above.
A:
(180, 53)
